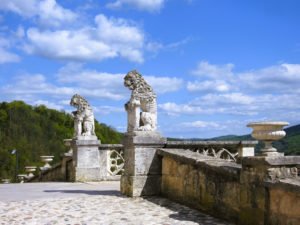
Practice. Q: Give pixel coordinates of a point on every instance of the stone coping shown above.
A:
(288, 184)
(270, 161)
(110, 146)
(210, 143)
(200, 161)
(85, 142)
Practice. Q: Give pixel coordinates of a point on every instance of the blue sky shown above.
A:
(215, 65)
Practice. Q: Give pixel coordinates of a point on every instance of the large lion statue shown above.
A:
(141, 108)
(84, 124)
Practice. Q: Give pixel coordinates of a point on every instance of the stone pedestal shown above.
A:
(86, 158)
(142, 172)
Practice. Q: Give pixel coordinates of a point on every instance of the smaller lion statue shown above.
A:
(142, 107)
(84, 124)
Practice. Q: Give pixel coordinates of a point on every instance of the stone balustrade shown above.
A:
(111, 166)
(111, 161)
(228, 150)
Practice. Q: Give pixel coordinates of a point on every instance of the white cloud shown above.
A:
(172, 108)
(204, 68)
(201, 124)
(8, 57)
(48, 12)
(105, 110)
(164, 84)
(110, 38)
(209, 86)
(274, 79)
(147, 5)
(228, 98)
(5, 55)
(155, 47)
(20, 33)
(107, 82)
(69, 45)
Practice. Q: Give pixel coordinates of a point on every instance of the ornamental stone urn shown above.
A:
(5, 181)
(268, 132)
(68, 143)
(30, 170)
(22, 177)
(46, 159)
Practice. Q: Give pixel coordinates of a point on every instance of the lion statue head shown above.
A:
(140, 88)
(78, 101)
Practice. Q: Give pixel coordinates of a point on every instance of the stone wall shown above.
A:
(201, 182)
(236, 192)
(284, 202)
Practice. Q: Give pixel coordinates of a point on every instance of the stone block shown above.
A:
(245, 151)
(87, 174)
(142, 164)
(135, 186)
(86, 159)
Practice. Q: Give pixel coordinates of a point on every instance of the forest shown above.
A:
(35, 131)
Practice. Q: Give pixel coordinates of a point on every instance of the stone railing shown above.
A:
(112, 161)
(259, 190)
(111, 166)
(227, 150)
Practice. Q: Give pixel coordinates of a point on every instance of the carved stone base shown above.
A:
(142, 170)
(86, 159)
(135, 186)
(87, 174)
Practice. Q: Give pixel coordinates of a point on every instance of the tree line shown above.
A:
(36, 131)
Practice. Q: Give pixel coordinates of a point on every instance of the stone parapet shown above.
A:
(260, 190)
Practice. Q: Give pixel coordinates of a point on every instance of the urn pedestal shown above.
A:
(30, 170)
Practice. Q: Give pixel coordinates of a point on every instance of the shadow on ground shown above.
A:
(184, 213)
(87, 192)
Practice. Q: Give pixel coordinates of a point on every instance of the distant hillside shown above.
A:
(290, 145)
(36, 131)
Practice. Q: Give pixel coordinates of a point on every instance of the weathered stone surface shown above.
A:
(284, 205)
(86, 159)
(244, 194)
(84, 124)
(272, 161)
(199, 182)
(142, 172)
(195, 159)
(105, 151)
(142, 107)
(135, 186)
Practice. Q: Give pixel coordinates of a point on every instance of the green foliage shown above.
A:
(36, 131)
